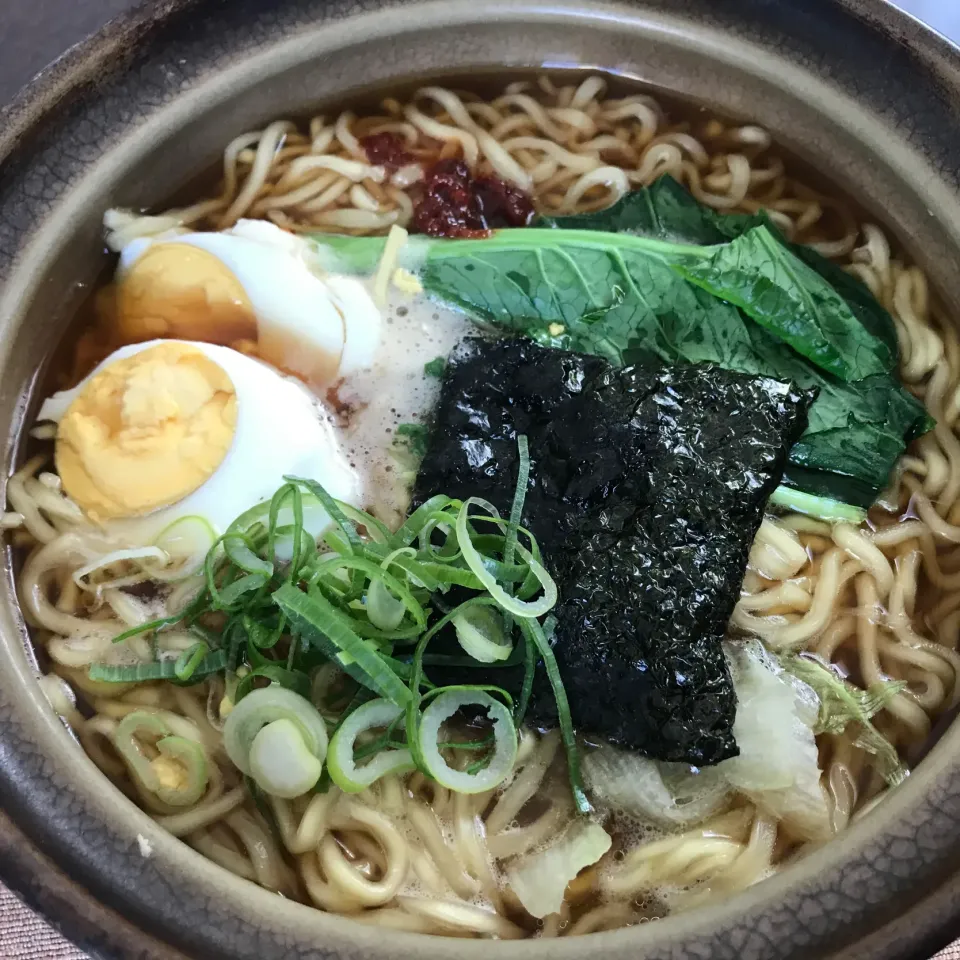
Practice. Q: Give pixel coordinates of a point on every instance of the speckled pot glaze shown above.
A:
(859, 89)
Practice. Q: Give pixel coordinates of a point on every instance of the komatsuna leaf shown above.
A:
(664, 210)
(667, 211)
(626, 301)
(776, 289)
(575, 273)
(854, 436)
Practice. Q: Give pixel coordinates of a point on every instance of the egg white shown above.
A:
(281, 429)
(331, 316)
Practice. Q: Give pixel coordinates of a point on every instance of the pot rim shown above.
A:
(69, 79)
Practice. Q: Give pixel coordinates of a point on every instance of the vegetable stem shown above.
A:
(823, 508)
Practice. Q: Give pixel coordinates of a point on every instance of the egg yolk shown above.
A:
(146, 431)
(178, 291)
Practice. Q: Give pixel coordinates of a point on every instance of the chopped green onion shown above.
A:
(444, 706)
(529, 668)
(405, 558)
(320, 623)
(379, 532)
(292, 492)
(383, 608)
(261, 707)
(188, 540)
(415, 523)
(237, 548)
(280, 761)
(349, 607)
(188, 661)
(519, 495)
(333, 509)
(448, 576)
(178, 776)
(254, 515)
(374, 572)
(435, 367)
(263, 636)
(518, 608)
(160, 670)
(293, 680)
(132, 727)
(251, 523)
(188, 755)
(480, 631)
(535, 634)
(341, 760)
(235, 591)
(515, 659)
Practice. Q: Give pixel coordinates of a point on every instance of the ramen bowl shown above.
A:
(855, 89)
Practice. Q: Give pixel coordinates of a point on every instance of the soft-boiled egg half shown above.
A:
(170, 429)
(254, 284)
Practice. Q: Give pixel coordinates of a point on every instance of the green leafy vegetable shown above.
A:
(415, 436)
(856, 431)
(435, 367)
(660, 278)
(824, 508)
(667, 211)
(777, 284)
(759, 274)
(321, 624)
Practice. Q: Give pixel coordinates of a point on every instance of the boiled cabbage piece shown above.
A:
(778, 764)
(646, 489)
(539, 880)
(669, 794)
(777, 767)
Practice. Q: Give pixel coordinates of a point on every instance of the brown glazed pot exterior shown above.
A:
(864, 92)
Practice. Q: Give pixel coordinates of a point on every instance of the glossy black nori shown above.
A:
(646, 489)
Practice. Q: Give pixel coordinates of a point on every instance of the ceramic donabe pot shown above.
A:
(125, 119)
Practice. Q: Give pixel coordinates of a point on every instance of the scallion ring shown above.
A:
(186, 543)
(345, 772)
(384, 608)
(261, 708)
(482, 634)
(189, 775)
(280, 761)
(519, 608)
(444, 706)
(178, 775)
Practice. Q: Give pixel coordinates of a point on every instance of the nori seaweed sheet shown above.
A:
(646, 490)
